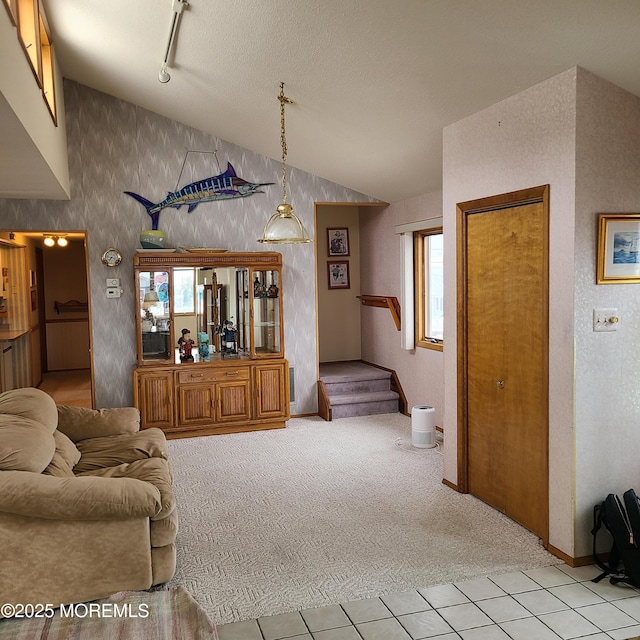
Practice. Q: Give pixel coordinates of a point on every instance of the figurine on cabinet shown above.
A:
(203, 345)
(272, 291)
(229, 337)
(185, 344)
(258, 288)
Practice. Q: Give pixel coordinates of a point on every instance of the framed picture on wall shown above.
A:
(338, 241)
(338, 272)
(618, 248)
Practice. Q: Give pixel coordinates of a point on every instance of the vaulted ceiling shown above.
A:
(373, 81)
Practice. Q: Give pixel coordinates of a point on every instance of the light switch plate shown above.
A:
(605, 320)
(113, 292)
(113, 282)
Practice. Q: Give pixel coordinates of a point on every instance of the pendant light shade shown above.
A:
(284, 226)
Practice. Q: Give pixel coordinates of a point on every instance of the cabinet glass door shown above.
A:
(154, 289)
(265, 289)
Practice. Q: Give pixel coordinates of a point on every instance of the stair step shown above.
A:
(337, 388)
(364, 409)
(364, 398)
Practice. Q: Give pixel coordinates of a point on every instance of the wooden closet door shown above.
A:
(506, 359)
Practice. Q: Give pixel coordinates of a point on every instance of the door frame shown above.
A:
(532, 195)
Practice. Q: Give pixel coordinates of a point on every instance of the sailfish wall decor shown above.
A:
(221, 187)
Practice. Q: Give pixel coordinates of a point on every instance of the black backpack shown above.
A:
(622, 520)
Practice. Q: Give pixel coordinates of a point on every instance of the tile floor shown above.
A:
(541, 604)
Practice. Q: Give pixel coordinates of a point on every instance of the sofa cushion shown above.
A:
(66, 456)
(32, 403)
(111, 451)
(155, 471)
(80, 423)
(66, 448)
(25, 445)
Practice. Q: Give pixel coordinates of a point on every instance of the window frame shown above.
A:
(421, 293)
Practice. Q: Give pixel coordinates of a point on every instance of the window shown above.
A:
(429, 287)
(184, 283)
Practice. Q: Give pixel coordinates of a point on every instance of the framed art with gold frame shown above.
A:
(618, 248)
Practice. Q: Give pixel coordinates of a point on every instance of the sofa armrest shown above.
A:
(80, 423)
(78, 498)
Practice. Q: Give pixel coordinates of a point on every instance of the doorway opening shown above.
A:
(53, 272)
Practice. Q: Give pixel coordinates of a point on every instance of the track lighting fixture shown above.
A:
(177, 7)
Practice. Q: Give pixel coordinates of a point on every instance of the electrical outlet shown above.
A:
(605, 319)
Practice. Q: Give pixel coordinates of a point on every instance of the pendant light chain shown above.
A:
(283, 141)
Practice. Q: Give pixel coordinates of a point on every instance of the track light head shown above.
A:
(163, 76)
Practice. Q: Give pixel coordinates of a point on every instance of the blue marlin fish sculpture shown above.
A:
(221, 187)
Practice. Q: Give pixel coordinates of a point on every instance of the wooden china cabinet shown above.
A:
(210, 342)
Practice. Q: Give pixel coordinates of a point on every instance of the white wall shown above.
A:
(580, 135)
(524, 141)
(607, 389)
(41, 166)
(420, 370)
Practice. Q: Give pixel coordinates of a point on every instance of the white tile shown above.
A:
(515, 582)
(389, 629)
(568, 624)
(625, 634)
(283, 625)
(581, 574)
(631, 606)
(443, 595)
(406, 602)
(611, 592)
(425, 624)
(540, 601)
(464, 616)
(529, 629)
(549, 576)
(479, 589)
(503, 609)
(492, 632)
(245, 630)
(344, 633)
(323, 618)
(576, 595)
(366, 610)
(606, 616)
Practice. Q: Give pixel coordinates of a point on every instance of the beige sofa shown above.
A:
(86, 504)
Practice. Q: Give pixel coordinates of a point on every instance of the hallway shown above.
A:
(68, 387)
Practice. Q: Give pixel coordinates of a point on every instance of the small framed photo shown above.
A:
(618, 248)
(338, 272)
(338, 241)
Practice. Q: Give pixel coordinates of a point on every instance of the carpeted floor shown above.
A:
(326, 512)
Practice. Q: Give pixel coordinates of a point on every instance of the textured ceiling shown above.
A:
(373, 81)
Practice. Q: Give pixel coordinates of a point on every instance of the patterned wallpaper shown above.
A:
(115, 146)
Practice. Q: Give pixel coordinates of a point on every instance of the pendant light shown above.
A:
(284, 226)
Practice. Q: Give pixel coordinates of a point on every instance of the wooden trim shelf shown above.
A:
(70, 305)
(389, 302)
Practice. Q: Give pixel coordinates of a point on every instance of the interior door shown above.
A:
(506, 358)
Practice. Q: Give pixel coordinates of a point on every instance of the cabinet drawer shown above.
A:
(213, 375)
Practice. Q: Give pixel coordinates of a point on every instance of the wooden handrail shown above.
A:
(389, 302)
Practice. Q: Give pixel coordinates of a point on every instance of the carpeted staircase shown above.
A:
(356, 389)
